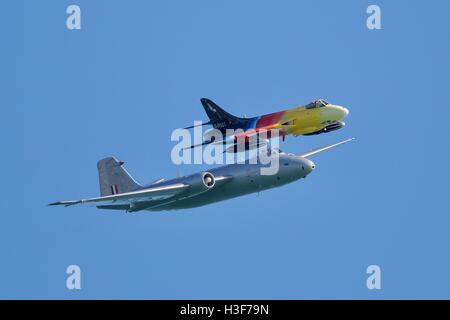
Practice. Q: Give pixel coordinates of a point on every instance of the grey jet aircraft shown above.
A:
(119, 191)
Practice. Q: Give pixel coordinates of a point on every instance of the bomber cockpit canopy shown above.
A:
(316, 104)
(275, 150)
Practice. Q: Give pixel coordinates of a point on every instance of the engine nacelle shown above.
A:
(208, 180)
(201, 182)
(331, 127)
(198, 183)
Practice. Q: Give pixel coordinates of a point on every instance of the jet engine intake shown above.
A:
(208, 180)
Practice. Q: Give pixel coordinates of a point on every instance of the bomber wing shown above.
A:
(321, 149)
(148, 194)
(145, 198)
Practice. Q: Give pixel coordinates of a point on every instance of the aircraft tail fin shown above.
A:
(113, 178)
(218, 117)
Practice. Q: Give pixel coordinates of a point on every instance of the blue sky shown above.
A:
(136, 71)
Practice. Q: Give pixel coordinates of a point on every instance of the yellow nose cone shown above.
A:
(332, 113)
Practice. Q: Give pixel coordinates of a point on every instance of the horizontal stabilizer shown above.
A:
(65, 203)
(199, 125)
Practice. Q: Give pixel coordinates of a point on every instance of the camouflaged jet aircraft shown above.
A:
(119, 191)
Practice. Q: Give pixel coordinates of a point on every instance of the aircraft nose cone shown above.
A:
(346, 111)
(312, 166)
(333, 113)
(308, 166)
(342, 112)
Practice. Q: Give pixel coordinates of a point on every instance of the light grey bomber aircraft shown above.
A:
(119, 191)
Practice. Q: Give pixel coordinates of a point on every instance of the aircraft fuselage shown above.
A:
(244, 179)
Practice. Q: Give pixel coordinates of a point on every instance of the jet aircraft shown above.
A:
(314, 118)
(119, 191)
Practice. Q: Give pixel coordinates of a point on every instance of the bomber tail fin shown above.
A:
(113, 178)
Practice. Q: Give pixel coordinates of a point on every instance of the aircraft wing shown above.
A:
(321, 149)
(286, 124)
(148, 194)
(144, 198)
(249, 134)
(205, 143)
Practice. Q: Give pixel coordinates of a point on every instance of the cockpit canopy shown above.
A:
(316, 104)
(275, 150)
